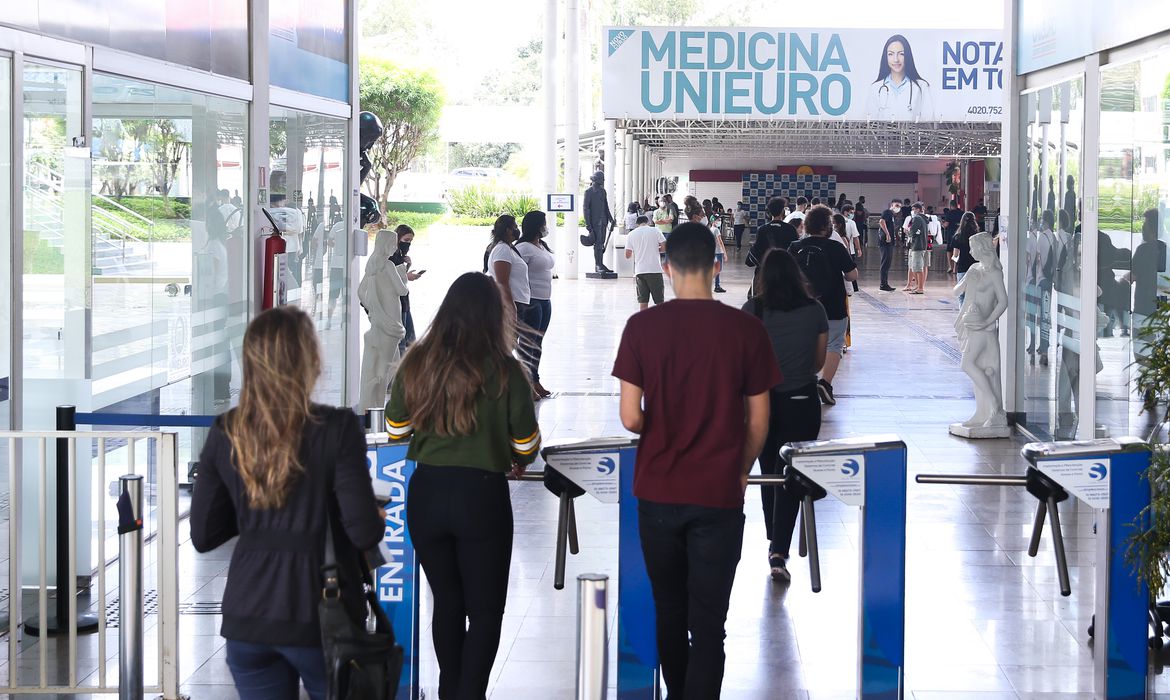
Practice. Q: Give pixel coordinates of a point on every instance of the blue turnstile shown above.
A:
(861, 471)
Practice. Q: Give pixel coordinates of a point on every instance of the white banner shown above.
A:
(841, 475)
(1087, 479)
(927, 75)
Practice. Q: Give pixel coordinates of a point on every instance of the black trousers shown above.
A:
(795, 417)
(598, 246)
(738, 229)
(887, 252)
(691, 553)
(460, 520)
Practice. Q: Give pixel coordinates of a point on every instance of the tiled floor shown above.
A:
(984, 620)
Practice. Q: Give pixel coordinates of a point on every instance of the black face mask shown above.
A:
(404, 247)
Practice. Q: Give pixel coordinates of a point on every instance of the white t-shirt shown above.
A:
(719, 249)
(644, 242)
(517, 277)
(540, 269)
(232, 215)
(852, 234)
(631, 220)
(292, 225)
(794, 216)
(740, 217)
(336, 242)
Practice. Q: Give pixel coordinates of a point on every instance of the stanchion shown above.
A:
(59, 621)
(592, 636)
(130, 678)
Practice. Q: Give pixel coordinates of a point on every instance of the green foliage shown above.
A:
(518, 84)
(641, 13)
(153, 208)
(480, 155)
(1151, 537)
(419, 221)
(1117, 210)
(409, 103)
(40, 258)
(478, 202)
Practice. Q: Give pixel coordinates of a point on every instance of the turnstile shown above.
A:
(1109, 476)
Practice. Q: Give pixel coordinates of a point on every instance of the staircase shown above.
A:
(119, 240)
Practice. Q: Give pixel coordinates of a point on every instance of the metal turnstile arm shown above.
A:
(1058, 547)
(809, 535)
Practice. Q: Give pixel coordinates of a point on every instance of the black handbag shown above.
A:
(359, 665)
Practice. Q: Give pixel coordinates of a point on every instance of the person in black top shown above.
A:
(827, 265)
(980, 215)
(775, 234)
(962, 246)
(887, 235)
(598, 220)
(861, 218)
(274, 471)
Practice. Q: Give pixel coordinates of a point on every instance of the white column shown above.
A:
(569, 248)
(549, 83)
(1012, 183)
(611, 190)
(627, 169)
(639, 172)
(354, 325)
(258, 147)
(1090, 150)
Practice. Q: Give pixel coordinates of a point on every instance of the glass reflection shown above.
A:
(1133, 178)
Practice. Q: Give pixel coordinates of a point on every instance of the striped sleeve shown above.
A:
(398, 423)
(523, 430)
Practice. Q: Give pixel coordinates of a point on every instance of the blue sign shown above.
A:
(397, 581)
(637, 640)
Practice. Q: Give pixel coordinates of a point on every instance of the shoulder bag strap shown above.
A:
(330, 582)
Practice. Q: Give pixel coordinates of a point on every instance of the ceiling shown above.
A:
(789, 138)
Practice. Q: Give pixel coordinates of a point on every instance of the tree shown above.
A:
(480, 155)
(409, 103)
(639, 13)
(520, 83)
(169, 146)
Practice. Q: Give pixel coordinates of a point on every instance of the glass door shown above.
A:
(57, 263)
(6, 171)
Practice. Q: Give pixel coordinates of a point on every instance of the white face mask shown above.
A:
(897, 209)
(849, 217)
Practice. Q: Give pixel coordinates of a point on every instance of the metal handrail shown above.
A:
(35, 444)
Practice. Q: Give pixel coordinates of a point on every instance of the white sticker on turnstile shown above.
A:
(841, 475)
(1087, 479)
(599, 473)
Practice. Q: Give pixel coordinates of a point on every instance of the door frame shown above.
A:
(26, 47)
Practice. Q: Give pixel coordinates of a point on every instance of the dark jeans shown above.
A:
(599, 247)
(266, 672)
(460, 519)
(691, 553)
(535, 323)
(738, 228)
(795, 416)
(408, 325)
(887, 252)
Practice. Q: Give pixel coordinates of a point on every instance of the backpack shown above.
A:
(814, 261)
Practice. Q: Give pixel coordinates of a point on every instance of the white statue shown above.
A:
(380, 293)
(984, 301)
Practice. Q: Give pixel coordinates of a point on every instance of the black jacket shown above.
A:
(597, 213)
(774, 234)
(274, 581)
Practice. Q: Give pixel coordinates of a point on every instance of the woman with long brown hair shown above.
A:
(272, 471)
(468, 404)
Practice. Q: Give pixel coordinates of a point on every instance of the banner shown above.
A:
(928, 75)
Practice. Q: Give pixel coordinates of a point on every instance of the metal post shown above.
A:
(549, 86)
(574, 543)
(611, 191)
(130, 661)
(1058, 547)
(592, 636)
(375, 420)
(59, 621)
(1037, 529)
(562, 540)
(814, 557)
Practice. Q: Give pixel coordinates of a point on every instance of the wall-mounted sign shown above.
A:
(809, 74)
(560, 202)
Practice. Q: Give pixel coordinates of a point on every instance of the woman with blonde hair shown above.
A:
(468, 404)
(276, 471)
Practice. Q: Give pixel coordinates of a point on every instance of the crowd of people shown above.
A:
(464, 394)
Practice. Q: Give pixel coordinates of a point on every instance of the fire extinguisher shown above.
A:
(273, 267)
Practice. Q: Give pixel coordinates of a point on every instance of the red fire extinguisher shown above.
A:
(273, 267)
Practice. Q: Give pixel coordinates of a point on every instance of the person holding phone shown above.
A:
(466, 405)
(405, 238)
(540, 259)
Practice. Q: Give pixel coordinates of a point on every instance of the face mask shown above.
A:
(544, 232)
(849, 217)
(897, 209)
(404, 247)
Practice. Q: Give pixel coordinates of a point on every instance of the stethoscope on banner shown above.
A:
(884, 96)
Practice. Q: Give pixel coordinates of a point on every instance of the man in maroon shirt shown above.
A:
(702, 412)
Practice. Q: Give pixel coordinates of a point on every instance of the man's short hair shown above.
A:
(816, 201)
(641, 220)
(818, 221)
(847, 207)
(776, 206)
(917, 205)
(690, 248)
(801, 201)
(895, 200)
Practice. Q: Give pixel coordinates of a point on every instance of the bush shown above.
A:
(40, 258)
(419, 221)
(480, 203)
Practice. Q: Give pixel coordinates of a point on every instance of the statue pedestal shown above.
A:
(980, 432)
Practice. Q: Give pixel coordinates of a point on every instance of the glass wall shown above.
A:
(1133, 180)
(171, 249)
(1050, 308)
(307, 196)
(5, 239)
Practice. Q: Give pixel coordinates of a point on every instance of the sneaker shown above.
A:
(887, 288)
(825, 389)
(779, 566)
(720, 290)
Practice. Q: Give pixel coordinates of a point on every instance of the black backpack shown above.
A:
(814, 260)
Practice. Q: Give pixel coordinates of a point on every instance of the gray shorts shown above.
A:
(649, 284)
(837, 335)
(917, 260)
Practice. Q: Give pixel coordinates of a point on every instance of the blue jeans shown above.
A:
(535, 322)
(266, 672)
(718, 259)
